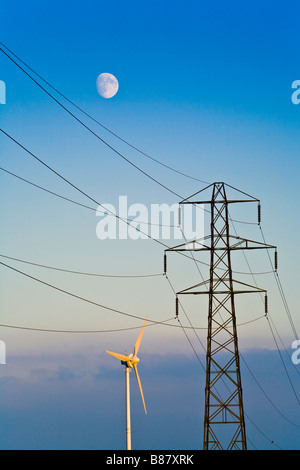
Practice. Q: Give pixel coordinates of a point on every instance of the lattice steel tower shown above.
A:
(224, 422)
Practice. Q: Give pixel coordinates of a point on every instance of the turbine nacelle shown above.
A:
(132, 359)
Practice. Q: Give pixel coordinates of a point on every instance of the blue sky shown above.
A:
(205, 88)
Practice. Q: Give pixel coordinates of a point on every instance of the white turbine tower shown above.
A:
(130, 362)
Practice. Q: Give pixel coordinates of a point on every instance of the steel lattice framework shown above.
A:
(224, 422)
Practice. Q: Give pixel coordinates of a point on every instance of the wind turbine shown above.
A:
(130, 362)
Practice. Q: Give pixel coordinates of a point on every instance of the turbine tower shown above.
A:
(130, 362)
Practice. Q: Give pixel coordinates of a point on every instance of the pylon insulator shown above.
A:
(177, 307)
(276, 260)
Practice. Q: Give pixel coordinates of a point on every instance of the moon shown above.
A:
(107, 85)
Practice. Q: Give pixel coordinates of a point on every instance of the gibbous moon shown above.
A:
(107, 85)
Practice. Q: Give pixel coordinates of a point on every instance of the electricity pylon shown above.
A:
(224, 422)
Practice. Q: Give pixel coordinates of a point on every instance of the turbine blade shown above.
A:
(137, 344)
(122, 357)
(140, 386)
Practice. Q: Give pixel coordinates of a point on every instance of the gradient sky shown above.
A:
(204, 88)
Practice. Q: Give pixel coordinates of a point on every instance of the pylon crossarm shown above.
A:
(220, 201)
(218, 188)
(240, 244)
(214, 291)
(189, 246)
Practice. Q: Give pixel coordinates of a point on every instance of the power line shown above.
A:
(110, 214)
(75, 202)
(77, 296)
(47, 190)
(262, 433)
(84, 299)
(282, 294)
(92, 199)
(282, 343)
(76, 187)
(44, 330)
(93, 209)
(273, 335)
(267, 396)
(98, 137)
(284, 366)
(92, 132)
(100, 124)
(183, 328)
(83, 192)
(127, 276)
